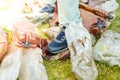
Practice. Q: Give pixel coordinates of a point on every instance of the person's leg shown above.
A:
(54, 21)
(59, 43)
(80, 46)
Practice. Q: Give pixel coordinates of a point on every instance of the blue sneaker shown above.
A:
(49, 9)
(59, 44)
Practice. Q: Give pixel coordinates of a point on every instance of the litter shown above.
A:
(24, 34)
(107, 48)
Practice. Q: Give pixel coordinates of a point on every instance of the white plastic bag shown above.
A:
(23, 64)
(108, 6)
(80, 46)
(32, 65)
(107, 49)
(9, 68)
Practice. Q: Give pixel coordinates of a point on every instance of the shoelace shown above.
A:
(61, 40)
(61, 37)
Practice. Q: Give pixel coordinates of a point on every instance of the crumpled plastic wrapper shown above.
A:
(3, 43)
(107, 48)
(80, 46)
(23, 64)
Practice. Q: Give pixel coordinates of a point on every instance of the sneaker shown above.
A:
(49, 9)
(59, 44)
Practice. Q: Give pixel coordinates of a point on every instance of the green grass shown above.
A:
(61, 70)
(9, 32)
(40, 28)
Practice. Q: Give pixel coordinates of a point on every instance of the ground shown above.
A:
(61, 70)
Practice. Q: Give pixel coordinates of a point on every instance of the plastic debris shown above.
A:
(24, 34)
(107, 48)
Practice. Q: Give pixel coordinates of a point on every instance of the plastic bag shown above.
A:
(32, 65)
(108, 6)
(80, 46)
(107, 48)
(9, 68)
(24, 34)
(23, 64)
(3, 43)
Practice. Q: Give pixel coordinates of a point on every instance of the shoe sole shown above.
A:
(60, 50)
